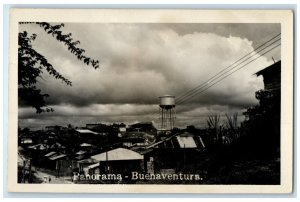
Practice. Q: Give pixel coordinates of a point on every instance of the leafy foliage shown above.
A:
(31, 64)
(262, 126)
(269, 106)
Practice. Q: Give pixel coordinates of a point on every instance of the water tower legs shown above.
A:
(167, 118)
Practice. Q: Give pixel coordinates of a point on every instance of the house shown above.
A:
(26, 140)
(62, 164)
(147, 127)
(82, 154)
(88, 136)
(182, 140)
(57, 146)
(100, 128)
(139, 139)
(269, 114)
(174, 153)
(120, 128)
(272, 77)
(85, 145)
(50, 154)
(118, 161)
(39, 147)
(83, 164)
(86, 131)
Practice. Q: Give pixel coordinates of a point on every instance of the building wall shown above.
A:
(271, 77)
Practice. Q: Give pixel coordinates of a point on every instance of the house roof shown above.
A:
(58, 145)
(81, 152)
(179, 140)
(93, 165)
(118, 155)
(80, 157)
(86, 131)
(26, 140)
(270, 68)
(34, 146)
(58, 157)
(38, 146)
(186, 142)
(89, 160)
(85, 145)
(50, 154)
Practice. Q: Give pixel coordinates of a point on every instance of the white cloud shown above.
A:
(139, 63)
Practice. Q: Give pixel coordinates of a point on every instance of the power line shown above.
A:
(194, 94)
(232, 64)
(196, 90)
(248, 54)
(220, 75)
(207, 83)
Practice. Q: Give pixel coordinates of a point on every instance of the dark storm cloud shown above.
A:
(140, 62)
(79, 116)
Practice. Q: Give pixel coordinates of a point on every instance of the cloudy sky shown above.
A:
(139, 63)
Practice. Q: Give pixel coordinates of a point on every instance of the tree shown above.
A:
(214, 128)
(232, 129)
(31, 64)
(262, 127)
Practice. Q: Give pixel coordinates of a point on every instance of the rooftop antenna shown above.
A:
(273, 60)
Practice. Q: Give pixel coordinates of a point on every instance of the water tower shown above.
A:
(167, 112)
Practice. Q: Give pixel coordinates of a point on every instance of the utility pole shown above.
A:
(30, 173)
(183, 156)
(23, 171)
(106, 157)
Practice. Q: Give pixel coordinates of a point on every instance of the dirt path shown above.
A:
(54, 180)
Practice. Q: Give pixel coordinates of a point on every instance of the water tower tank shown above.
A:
(167, 101)
(167, 112)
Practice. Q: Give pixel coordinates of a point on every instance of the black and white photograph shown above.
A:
(150, 103)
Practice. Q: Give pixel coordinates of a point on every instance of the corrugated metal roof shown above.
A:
(38, 146)
(186, 142)
(89, 160)
(26, 140)
(57, 157)
(80, 157)
(34, 146)
(85, 145)
(179, 140)
(50, 154)
(85, 131)
(81, 152)
(94, 165)
(117, 155)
